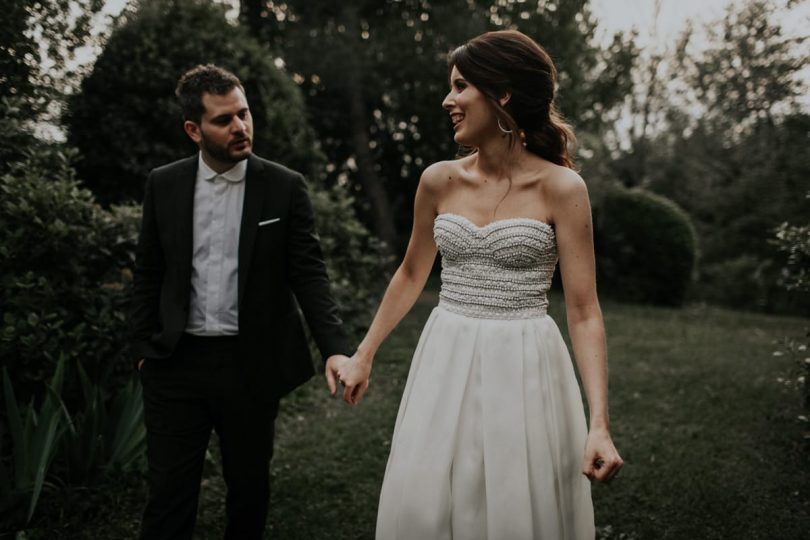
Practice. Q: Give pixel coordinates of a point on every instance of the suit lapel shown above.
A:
(186, 178)
(256, 186)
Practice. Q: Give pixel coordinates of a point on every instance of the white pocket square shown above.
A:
(269, 221)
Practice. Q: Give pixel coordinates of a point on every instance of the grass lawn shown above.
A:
(711, 439)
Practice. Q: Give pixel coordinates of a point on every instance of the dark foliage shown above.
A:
(728, 142)
(374, 74)
(65, 278)
(646, 247)
(15, 138)
(126, 121)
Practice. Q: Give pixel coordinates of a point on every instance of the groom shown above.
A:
(227, 253)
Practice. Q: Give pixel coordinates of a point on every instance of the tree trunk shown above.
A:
(250, 13)
(381, 215)
(383, 219)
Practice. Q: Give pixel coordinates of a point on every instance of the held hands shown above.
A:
(353, 373)
(602, 461)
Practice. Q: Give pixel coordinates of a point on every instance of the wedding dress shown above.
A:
(490, 434)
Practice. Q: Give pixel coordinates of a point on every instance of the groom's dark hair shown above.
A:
(202, 79)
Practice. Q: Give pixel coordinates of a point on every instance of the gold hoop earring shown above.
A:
(502, 128)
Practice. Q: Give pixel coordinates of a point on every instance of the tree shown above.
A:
(125, 120)
(374, 75)
(731, 149)
(17, 50)
(16, 138)
(38, 42)
(743, 149)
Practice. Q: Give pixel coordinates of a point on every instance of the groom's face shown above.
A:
(225, 131)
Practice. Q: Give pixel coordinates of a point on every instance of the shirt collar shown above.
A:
(234, 174)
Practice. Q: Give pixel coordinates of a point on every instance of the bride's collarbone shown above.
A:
(482, 205)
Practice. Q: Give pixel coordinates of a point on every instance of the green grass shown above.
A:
(711, 440)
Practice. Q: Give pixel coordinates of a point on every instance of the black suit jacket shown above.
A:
(279, 263)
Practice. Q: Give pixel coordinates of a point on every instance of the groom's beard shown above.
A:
(239, 148)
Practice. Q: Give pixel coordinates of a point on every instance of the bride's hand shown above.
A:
(602, 461)
(354, 376)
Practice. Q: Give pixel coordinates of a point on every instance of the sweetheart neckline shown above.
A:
(494, 222)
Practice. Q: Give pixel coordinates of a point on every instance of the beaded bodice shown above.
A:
(502, 270)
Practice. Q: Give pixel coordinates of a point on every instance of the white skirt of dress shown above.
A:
(489, 438)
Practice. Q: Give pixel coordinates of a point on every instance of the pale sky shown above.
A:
(660, 34)
(654, 35)
(614, 15)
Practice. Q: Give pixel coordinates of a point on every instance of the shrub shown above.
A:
(35, 437)
(106, 435)
(356, 260)
(646, 248)
(794, 241)
(749, 281)
(50, 447)
(15, 137)
(64, 279)
(126, 121)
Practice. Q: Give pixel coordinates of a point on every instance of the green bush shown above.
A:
(748, 281)
(357, 261)
(646, 248)
(51, 448)
(126, 121)
(794, 241)
(65, 272)
(107, 434)
(15, 137)
(35, 435)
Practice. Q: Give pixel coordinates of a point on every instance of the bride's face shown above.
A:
(470, 111)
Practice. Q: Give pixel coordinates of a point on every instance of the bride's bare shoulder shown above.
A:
(562, 183)
(439, 176)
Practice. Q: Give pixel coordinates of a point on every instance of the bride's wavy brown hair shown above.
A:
(508, 61)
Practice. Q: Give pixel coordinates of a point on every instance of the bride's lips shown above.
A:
(456, 119)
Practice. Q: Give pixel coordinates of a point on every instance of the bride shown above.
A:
(491, 438)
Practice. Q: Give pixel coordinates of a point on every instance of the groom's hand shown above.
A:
(354, 377)
(332, 371)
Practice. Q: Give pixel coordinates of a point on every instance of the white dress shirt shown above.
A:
(218, 200)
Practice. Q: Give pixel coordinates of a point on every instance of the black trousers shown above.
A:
(199, 388)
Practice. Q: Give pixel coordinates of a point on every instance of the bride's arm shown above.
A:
(568, 197)
(404, 288)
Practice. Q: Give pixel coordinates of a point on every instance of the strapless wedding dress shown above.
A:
(490, 435)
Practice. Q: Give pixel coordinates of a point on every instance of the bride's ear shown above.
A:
(504, 99)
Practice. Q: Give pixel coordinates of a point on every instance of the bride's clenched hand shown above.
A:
(354, 375)
(602, 461)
